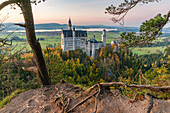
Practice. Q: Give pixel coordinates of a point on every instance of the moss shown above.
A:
(7, 99)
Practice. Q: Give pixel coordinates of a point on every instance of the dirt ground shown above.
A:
(61, 98)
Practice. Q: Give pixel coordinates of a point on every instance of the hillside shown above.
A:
(51, 26)
(61, 98)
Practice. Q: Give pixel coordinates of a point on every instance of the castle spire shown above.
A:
(73, 28)
(104, 37)
(69, 24)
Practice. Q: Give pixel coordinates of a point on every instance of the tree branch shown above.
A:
(149, 31)
(3, 86)
(21, 25)
(81, 102)
(154, 88)
(120, 11)
(6, 3)
(31, 69)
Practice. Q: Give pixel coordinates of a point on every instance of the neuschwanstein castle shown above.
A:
(72, 39)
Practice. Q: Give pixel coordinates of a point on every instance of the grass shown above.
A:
(83, 87)
(50, 41)
(56, 39)
(111, 36)
(7, 99)
(147, 50)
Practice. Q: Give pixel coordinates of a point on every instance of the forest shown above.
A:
(77, 68)
(138, 77)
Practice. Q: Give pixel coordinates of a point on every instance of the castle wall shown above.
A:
(92, 47)
(68, 44)
(80, 43)
(72, 39)
(83, 43)
(104, 38)
(94, 50)
(88, 48)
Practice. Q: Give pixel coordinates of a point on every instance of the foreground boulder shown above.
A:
(63, 98)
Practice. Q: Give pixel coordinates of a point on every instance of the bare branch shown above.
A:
(4, 42)
(21, 25)
(149, 31)
(31, 69)
(154, 88)
(120, 11)
(6, 3)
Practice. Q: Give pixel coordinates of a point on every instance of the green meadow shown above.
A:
(148, 50)
(53, 40)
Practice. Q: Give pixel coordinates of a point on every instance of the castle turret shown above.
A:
(74, 37)
(62, 41)
(69, 24)
(93, 50)
(104, 37)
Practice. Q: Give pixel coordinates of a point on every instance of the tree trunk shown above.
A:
(35, 45)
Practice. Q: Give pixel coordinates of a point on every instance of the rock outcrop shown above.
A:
(61, 98)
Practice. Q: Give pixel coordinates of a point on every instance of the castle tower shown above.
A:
(93, 50)
(104, 37)
(62, 41)
(69, 24)
(74, 37)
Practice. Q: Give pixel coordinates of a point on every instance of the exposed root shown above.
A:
(95, 109)
(134, 98)
(68, 103)
(81, 102)
(64, 103)
(150, 102)
(153, 88)
(91, 88)
(136, 94)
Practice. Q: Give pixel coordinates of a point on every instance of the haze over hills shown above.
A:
(51, 26)
(57, 26)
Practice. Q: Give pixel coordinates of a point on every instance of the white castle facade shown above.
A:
(72, 39)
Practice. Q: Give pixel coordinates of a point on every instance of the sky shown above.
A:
(86, 12)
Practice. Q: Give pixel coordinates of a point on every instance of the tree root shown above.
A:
(147, 95)
(63, 103)
(153, 88)
(95, 109)
(91, 88)
(150, 102)
(81, 102)
(68, 103)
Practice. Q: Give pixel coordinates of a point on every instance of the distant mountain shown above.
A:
(51, 26)
(166, 30)
(54, 26)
